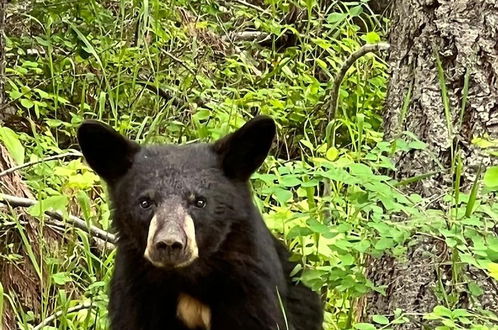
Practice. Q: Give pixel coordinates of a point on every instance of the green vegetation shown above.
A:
(169, 72)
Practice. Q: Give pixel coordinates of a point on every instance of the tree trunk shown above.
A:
(464, 34)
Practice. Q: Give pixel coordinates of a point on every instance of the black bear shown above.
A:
(193, 251)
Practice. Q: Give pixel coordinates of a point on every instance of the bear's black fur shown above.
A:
(233, 271)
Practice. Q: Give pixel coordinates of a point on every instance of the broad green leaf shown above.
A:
(442, 311)
(289, 181)
(491, 177)
(384, 243)
(61, 278)
(299, 231)
(493, 270)
(475, 289)
(332, 154)
(52, 203)
(336, 17)
(356, 11)
(28, 104)
(11, 141)
(380, 319)
(372, 37)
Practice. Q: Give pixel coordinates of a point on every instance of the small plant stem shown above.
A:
(334, 95)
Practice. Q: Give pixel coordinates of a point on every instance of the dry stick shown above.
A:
(75, 221)
(15, 168)
(334, 95)
(250, 5)
(58, 314)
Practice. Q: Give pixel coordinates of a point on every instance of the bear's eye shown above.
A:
(145, 202)
(200, 202)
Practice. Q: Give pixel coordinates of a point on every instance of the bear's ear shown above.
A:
(243, 151)
(106, 151)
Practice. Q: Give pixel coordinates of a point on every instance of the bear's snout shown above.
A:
(171, 241)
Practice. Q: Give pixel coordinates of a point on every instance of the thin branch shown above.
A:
(75, 221)
(179, 61)
(250, 5)
(334, 95)
(15, 168)
(58, 314)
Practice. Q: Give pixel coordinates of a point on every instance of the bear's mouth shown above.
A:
(171, 241)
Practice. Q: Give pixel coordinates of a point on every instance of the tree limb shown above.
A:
(15, 201)
(58, 314)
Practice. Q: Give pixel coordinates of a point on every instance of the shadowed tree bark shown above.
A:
(464, 34)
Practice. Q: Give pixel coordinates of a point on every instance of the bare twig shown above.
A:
(250, 5)
(71, 219)
(15, 168)
(58, 314)
(334, 95)
(179, 61)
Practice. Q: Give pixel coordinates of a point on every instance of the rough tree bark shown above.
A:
(465, 35)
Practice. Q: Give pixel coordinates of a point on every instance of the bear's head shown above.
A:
(177, 203)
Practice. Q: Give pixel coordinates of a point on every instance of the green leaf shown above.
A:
(384, 243)
(325, 44)
(15, 94)
(28, 104)
(332, 154)
(473, 194)
(356, 11)
(336, 17)
(317, 227)
(380, 319)
(364, 326)
(61, 278)
(52, 203)
(299, 231)
(372, 37)
(491, 177)
(202, 114)
(442, 311)
(84, 202)
(11, 141)
(282, 195)
(289, 181)
(475, 289)
(360, 170)
(362, 246)
(493, 270)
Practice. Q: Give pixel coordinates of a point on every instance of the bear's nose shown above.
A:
(173, 244)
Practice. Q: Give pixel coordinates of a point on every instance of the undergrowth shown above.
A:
(175, 72)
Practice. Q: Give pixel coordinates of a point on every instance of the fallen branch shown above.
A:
(73, 220)
(58, 314)
(15, 168)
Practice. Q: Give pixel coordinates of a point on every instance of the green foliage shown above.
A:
(161, 72)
